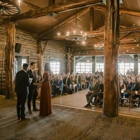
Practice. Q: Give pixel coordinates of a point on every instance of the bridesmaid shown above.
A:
(45, 99)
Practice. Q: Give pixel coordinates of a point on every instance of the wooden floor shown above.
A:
(78, 100)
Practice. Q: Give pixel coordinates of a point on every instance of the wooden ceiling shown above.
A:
(46, 18)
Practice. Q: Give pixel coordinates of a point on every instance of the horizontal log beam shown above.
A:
(101, 53)
(30, 5)
(56, 8)
(67, 20)
(122, 10)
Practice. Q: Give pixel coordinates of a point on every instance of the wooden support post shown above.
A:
(41, 50)
(93, 64)
(91, 19)
(135, 64)
(68, 61)
(111, 87)
(9, 60)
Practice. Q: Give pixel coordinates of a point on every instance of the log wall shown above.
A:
(54, 51)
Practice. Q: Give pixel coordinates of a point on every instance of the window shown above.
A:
(55, 67)
(99, 66)
(84, 67)
(139, 68)
(124, 67)
(23, 60)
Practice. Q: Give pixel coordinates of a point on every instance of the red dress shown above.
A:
(45, 99)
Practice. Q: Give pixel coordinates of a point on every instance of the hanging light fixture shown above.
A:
(9, 7)
(76, 35)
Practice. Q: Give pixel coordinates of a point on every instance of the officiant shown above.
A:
(33, 88)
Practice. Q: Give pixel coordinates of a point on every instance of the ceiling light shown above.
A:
(58, 34)
(76, 35)
(83, 42)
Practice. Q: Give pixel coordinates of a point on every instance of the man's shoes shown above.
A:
(87, 106)
(29, 111)
(19, 118)
(35, 109)
(24, 119)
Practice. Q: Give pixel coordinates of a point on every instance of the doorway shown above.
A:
(19, 61)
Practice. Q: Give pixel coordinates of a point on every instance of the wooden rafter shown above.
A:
(56, 8)
(34, 7)
(67, 20)
(122, 10)
(91, 18)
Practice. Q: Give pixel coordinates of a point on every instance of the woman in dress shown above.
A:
(45, 99)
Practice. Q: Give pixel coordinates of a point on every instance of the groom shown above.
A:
(22, 90)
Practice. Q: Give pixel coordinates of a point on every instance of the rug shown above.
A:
(65, 124)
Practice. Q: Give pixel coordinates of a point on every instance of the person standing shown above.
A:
(45, 99)
(32, 89)
(22, 90)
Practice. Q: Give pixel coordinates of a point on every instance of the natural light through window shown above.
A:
(99, 66)
(124, 67)
(55, 67)
(84, 67)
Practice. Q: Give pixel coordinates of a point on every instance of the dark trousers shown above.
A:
(90, 96)
(21, 100)
(32, 97)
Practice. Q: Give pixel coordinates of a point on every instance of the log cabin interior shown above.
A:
(102, 34)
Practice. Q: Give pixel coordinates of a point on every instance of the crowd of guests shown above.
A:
(67, 84)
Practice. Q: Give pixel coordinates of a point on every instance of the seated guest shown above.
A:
(137, 89)
(88, 80)
(129, 87)
(93, 91)
(73, 83)
(83, 81)
(53, 85)
(100, 94)
(59, 86)
(66, 84)
(122, 86)
(78, 79)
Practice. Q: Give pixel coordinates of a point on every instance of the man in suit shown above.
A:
(93, 91)
(32, 88)
(22, 89)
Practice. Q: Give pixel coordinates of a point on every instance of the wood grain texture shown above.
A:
(9, 60)
(65, 124)
(111, 88)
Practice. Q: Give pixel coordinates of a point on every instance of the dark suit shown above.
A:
(22, 90)
(32, 90)
(95, 90)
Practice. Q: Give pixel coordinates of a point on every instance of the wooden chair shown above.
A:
(132, 101)
(123, 99)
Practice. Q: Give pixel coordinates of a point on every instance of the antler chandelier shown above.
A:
(76, 35)
(9, 7)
